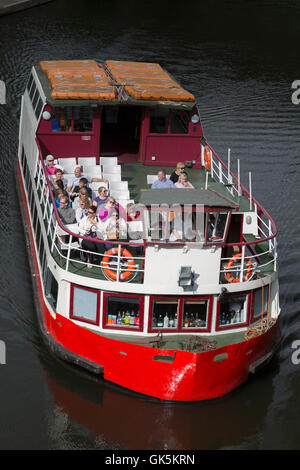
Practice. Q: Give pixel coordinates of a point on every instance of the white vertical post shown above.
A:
(118, 266)
(220, 173)
(250, 190)
(228, 165)
(239, 181)
(206, 180)
(69, 251)
(242, 264)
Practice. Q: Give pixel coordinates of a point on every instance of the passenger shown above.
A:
(83, 196)
(66, 213)
(183, 182)
(74, 180)
(83, 183)
(82, 210)
(105, 209)
(59, 184)
(179, 171)
(50, 167)
(58, 175)
(91, 228)
(115, 228)
(162, 181)
(58, 194)
(132, 213)
(102, 198)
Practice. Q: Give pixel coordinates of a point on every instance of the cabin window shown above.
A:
(67, 119)
(180, 122)
(216, 226)
(29, 82)
(165, 313)
(179, 313)
(260, 301)
(32, 90)
(84, 305)
(51, 288)
(233, 311)
(62, 119)
(159, 121)
(38, 108)
(195, 313)
(122, 312)
(83, 119)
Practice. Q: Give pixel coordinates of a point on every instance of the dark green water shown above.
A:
(239, 58)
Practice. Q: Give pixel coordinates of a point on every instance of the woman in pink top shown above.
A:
(50, 165)
(183, 182)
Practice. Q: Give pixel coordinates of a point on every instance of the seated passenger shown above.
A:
(183, 182)
(105, 209)
(82, 210)
(179, 171)
(115, 228)
(66, 213)
(91, 228)
(102, 198)
(83, 183)
(74, 180)
(132, 213)
(59, 193)
(50, 167)
(83, 196)
(162, 181)
(58, 175)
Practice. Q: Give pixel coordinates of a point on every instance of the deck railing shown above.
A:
(70, 255)
(258, 255)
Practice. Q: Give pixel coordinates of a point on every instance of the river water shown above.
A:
(239, 59)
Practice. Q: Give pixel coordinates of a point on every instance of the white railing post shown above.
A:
(206, 180)
(239, 178)
(242, 264)
(118, 265)
(220, 173)
(54, 235)
(69, 251)
(250, 190)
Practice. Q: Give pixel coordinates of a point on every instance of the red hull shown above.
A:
(190, 377)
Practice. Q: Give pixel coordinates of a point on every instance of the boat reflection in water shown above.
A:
(121, 419)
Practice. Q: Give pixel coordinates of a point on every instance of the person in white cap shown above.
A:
(50, 167)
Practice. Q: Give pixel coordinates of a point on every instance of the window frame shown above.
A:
(169, 133)
(111, 327)
(232, 326)
(71, 309)
(72, 131)
(254, 318)
(181, 299)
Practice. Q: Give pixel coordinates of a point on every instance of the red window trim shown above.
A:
(107, 294)
(74, 317)
(180, 299)
(235, 325)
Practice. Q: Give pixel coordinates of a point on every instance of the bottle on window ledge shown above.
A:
(166, 320)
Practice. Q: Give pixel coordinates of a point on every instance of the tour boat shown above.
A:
(172, 290)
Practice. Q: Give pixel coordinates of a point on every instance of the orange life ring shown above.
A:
(207, 159)
(231, 262)
(113, 274)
